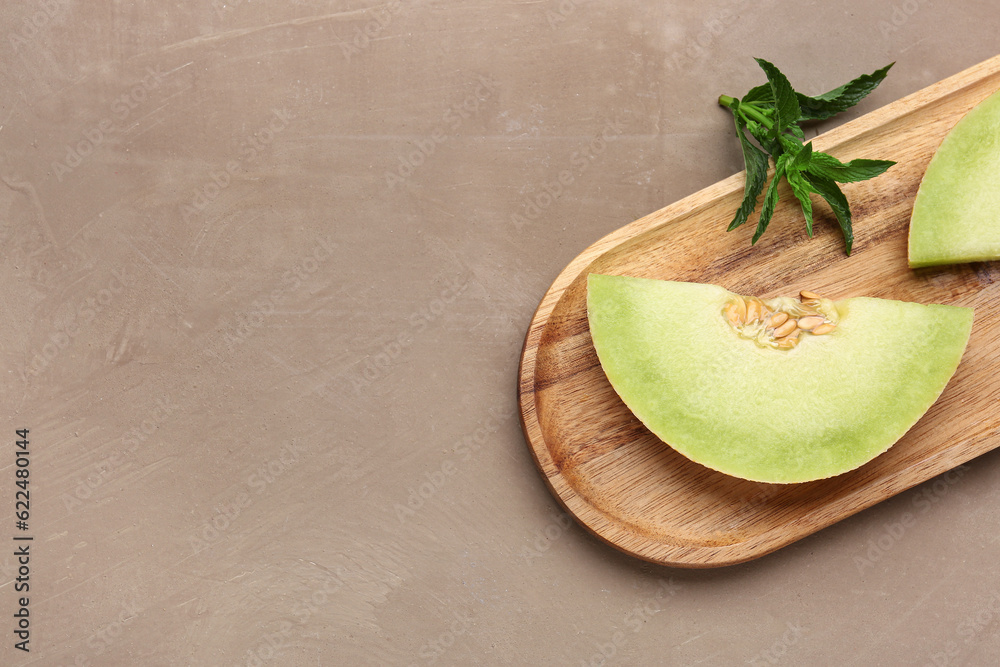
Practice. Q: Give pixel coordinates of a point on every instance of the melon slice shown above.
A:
(956, 215)
(784, 390)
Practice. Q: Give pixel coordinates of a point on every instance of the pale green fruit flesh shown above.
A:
(825, 407)
(956, 215)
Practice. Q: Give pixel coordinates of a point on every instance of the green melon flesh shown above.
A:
(820, 409)
(956, 215)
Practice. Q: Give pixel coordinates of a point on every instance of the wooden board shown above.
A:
(633, 491)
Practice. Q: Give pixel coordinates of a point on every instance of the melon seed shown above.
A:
(823, 329)
(736, 311)
(786, 328)
(788, 342)
(811, 322)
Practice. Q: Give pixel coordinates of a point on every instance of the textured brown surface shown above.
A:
(262, 289)
(619, 480)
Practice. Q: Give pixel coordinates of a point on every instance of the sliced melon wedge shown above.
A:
(956, 215)
(713, 374)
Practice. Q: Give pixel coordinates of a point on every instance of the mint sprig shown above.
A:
(771, 114)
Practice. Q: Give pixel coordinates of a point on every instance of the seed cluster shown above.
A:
(780, 323)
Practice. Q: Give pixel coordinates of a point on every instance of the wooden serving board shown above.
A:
(635, 492)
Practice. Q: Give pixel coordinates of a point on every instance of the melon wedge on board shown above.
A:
(756, 411)
(956, 215)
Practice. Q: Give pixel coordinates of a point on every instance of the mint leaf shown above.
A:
(841, 98)
(764, 138)
(801, 189)
(755, 163)
(830, 191)
(786, 104)
(830, 167)
(770, 200)
(803, 157)
(821, 107)
(761, 95)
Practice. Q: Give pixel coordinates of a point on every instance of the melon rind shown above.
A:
(823, 408)
(956, 214)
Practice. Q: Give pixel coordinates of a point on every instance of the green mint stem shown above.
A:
(748, 110)
(753, 112)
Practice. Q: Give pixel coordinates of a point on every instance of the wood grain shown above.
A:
(633, 491)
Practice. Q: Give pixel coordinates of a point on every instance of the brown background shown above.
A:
(263, 298)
